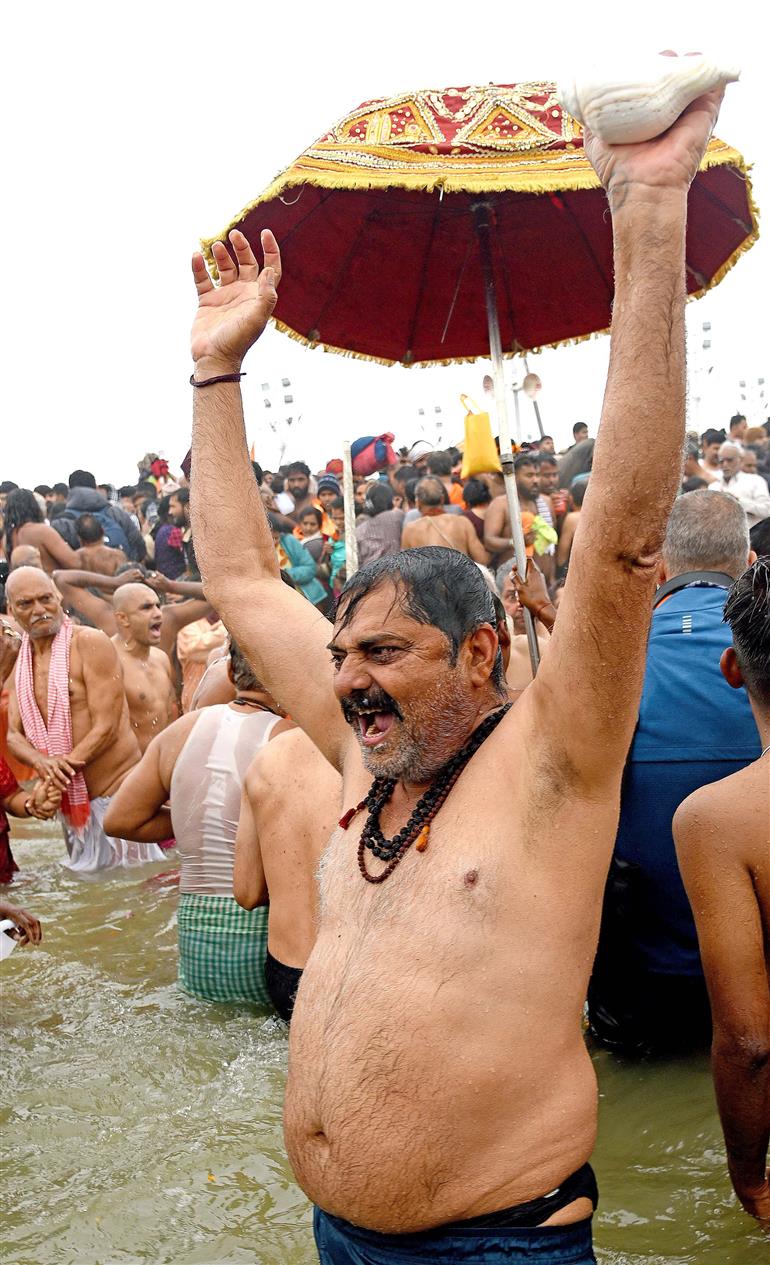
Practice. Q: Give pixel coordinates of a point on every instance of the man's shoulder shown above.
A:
(716, 819)
(89, 638)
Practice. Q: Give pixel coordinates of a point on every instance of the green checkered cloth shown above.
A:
(222, 949)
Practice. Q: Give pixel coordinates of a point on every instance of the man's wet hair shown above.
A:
(747, 611)
(89, 529)
(82, 479)
(297, 467)
(476, 492)
(241, 670)
(21, 507)
(439, 587)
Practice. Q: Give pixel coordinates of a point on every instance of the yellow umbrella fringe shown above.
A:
(563, 179)
(718, 154)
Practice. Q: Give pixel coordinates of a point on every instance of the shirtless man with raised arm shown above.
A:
(68, 682)
(437, 1069)
(148, 677)
(722, 836)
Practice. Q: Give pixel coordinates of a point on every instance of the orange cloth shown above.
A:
(527, 519)
(21, 772)
(456, 495)
(327, 527)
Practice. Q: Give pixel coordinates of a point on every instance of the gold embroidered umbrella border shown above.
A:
(541, 172)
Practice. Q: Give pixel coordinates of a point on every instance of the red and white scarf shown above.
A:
(56, 738)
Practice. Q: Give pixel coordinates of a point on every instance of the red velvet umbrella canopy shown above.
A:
(381, 256)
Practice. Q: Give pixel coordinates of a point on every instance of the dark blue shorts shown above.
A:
(340, 1243)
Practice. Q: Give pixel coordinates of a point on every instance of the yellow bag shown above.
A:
(479, 455)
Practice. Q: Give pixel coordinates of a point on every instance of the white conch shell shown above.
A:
(641, 99)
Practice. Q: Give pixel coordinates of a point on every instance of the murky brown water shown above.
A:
(143, 1127)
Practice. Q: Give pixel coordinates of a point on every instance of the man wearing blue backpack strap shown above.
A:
(119, 530)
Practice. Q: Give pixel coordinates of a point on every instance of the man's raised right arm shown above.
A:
(282, 635)
(591, 679)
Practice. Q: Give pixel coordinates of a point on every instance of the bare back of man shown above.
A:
(102, 559)
(291, 803)
(451, 531)
(722, 835)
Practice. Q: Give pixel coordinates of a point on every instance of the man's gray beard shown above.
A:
(433, 730)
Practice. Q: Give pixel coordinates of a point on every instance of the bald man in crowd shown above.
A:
(436, 527)
(148, 677)
(25, 556)
(68, 719)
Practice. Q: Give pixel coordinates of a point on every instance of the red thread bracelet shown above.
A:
(223, 377)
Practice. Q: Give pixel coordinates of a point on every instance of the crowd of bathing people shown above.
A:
(428, 822)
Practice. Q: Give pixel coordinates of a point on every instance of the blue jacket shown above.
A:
(692, 729)
(302, 569)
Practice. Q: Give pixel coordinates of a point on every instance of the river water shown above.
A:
(141, 1126)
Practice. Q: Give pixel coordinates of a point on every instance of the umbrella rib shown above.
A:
(731, 215)
(287, 236)
(315, 331)
(421, 286)
(589, 248)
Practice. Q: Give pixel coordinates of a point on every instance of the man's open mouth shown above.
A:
(374, 727)
(371, 715)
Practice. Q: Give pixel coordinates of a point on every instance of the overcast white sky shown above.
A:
(132, 130)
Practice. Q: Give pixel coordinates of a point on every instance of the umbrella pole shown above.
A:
(482, 221)
(351, 544)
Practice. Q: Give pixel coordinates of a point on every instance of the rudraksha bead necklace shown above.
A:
(418, 826)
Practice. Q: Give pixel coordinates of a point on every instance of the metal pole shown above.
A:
(351, 544)
(535, 404)
(481, 215)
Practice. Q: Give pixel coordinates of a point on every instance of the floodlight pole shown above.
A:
(481, 216)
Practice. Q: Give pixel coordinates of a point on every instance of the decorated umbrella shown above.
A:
(442, 226)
